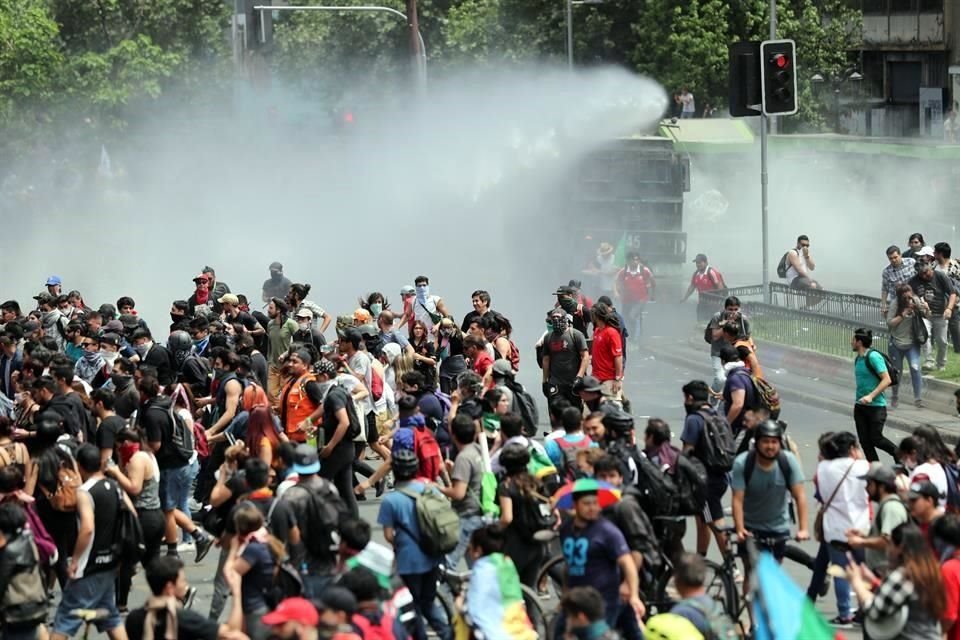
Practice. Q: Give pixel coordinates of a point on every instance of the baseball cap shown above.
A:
(129, 321)
(30, 326)
(407, 290)
(924, 489)
(53, 281)
(503, 368)
(229, 298)
(700, 258)
(588, 384)
(305, 313)
(565, 291)
(294, 610)
(378, 558)
(114, 326)
(202, 276)
(109, 338)
(337, 598)
(276, 266)
(44, 298)
(881, 474)
(926, 252)
(305, 459)
(362, 316)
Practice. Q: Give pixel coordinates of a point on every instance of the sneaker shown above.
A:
(204, 542)
(842, 623)
(190, 597)
(825, 587)
(918, 403)
(941, 367)
(186, 545)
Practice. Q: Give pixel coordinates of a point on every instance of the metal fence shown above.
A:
(822, 321)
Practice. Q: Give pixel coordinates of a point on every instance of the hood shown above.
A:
(50, 318)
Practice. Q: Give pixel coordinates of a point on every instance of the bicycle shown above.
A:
(451, 584)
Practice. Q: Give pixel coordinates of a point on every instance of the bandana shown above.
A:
(89, 365)
(202, 294)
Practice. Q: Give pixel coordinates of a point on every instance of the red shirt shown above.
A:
(607, 346)
(635, 285)
(707, 280)
(950, 573)
(482, 363)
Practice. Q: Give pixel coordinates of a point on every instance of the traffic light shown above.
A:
(778, 77)
(744, 95)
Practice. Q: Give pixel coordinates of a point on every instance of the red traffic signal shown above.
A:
(778, 77)
(781, 61)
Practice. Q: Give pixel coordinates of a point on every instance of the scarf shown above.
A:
(202, 294)
(89, 366)
(157, 605)
(665, 453)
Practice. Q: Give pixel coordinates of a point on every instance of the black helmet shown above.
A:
(179, 341)
(404, 463)
(768, 429)
(615, 420)
(514, 458)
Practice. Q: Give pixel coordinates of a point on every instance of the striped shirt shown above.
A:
(893, 277)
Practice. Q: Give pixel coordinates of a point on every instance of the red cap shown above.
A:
(202, 276)
(293, 610)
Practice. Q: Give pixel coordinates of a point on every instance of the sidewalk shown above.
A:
(794, 387)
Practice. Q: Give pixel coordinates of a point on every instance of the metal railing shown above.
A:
(822, 321)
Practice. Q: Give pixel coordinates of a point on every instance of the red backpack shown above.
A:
(376, 384)
(378, 626)
(427, 448)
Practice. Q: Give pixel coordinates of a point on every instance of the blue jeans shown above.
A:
(834, 554)
(96, 591)
(175, 486)
(467, 526)
(912, 354)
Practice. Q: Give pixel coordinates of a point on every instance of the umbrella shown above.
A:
(606, 493)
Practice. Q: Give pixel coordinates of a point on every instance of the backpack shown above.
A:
(893, 371)
(325, 511)
(439, 522)
(25, 598)
(527, 408)
(690, 476)
(717, 443)
(764, 393)
(200, 440)
(10, 454)
(720, 624)
(424, 444)
(181, 435)
(953, 491)
(376, 384)
(355, 424)
(445, 403)
(287, 583)
(717, 278)
(783, 265)
(657, 491)
(569, 451)
(541, 467)
(128, 541)
(533, 513)
(375, 626)
(46, 547)
(64, 497)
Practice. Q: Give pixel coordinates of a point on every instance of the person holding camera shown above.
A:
(907, 334)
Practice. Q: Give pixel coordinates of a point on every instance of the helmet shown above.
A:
(670, 626)
(179, 341)
(615, 420)
(404, 463)
(768, 429)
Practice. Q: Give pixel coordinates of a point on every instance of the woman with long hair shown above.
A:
(921, 463)
(374, 303)
(905, 340)
(139, 475)
(514, 494)
(914, 582)
(449, 352)
(497, 330)
(425, 352)
(254, 554)
(262, 439)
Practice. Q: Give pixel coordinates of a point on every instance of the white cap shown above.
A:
(304, 313)
(926, 252)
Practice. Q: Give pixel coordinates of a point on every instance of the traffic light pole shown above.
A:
(764, 223)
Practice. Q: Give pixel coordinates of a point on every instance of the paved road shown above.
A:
(654, 387)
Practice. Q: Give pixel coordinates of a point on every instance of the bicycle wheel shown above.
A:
(531, 601)
(550, 582)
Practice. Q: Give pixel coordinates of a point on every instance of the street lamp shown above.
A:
(570, 5)
(837, 81)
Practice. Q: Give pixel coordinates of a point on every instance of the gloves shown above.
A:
(549, 390)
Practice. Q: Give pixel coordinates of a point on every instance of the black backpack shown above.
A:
(527, 408)
(128, 541)
(691, 479)
(325, 511)
(892, 370)
(533, 513)
(717, 443)
(656, 491)
(355, 424)
(783, 265)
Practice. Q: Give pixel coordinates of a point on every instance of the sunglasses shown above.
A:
(87, 345)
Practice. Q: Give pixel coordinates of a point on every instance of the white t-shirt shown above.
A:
(934, 471)
(850, 508)
(422, 311)
(689, 106)
(792, 272)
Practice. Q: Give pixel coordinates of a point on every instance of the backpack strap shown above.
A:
(873, 369)
(415, 496)
(751, 462)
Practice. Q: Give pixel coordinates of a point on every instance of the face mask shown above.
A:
(91, 356)
(304, 326)
(559, 325)
(568, 304)
(120, 380)
(276, 276)
(218, 373)
(142, 349)
(110, 356)
(423, 291)
(375, 309)
(175, 318)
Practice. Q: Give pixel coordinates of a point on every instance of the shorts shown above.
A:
(96, 591)
(175, 485)
(802, 282)
(384, 424)
(716, 489)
